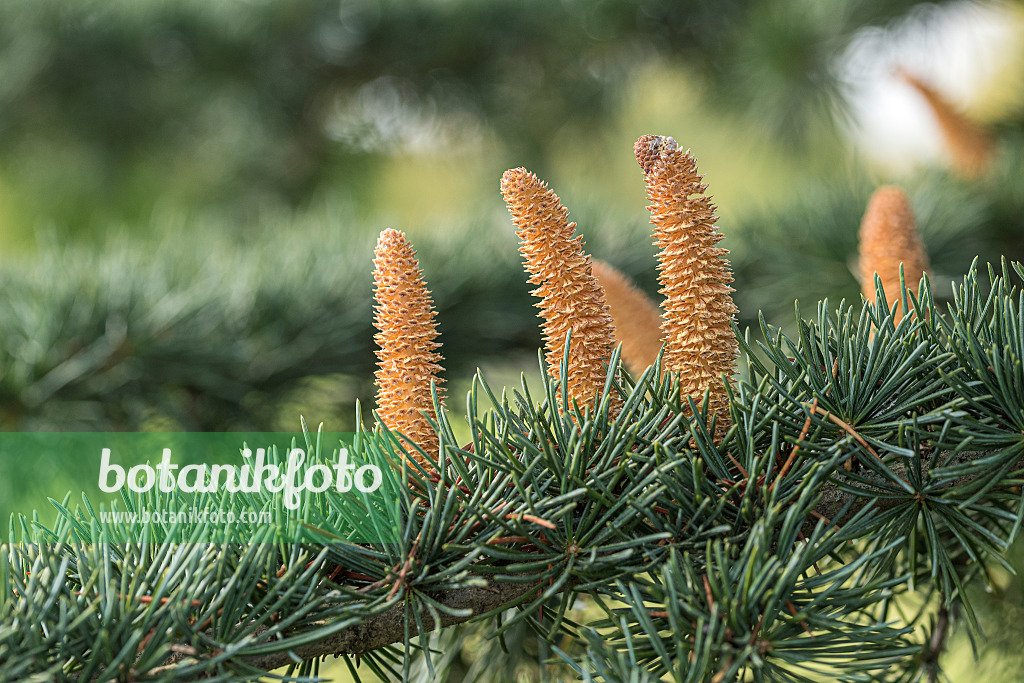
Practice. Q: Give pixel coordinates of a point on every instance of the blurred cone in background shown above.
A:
(889, 238)
(637, 318)
(969, 144)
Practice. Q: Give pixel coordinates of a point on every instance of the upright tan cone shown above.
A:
(571, 299)
(699, 341)
(637, 319)
(408, 358)
(889, 237)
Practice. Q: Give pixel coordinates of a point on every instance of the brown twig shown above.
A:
(792, 454)
(846, 427)
(937, 644)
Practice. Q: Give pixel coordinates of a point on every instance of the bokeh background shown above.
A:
(190, 190)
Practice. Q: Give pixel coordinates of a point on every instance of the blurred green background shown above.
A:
(190, 191)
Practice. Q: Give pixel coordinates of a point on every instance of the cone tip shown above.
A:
(649, 148)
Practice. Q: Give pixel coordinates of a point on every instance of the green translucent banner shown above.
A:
(197, 487)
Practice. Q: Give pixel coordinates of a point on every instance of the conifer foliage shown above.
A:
(868, 456)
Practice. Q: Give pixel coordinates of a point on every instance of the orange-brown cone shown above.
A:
(699, 341)
(571, 299)
(889, 237)
(408, 350)
(970, 145)
(637, 319)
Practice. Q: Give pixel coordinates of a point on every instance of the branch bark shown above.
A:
(386, 628)
(833, 499)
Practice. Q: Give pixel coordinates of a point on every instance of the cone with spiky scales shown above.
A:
(571, 299)
(970, 146)
(889, 238)
(637, 319)
(700, 345)
(407, 353)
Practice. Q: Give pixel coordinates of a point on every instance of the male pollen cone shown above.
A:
(970, 146)
(637, 319)
(571, 299)
(699, 341)
(889, 237)
(409, 361)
